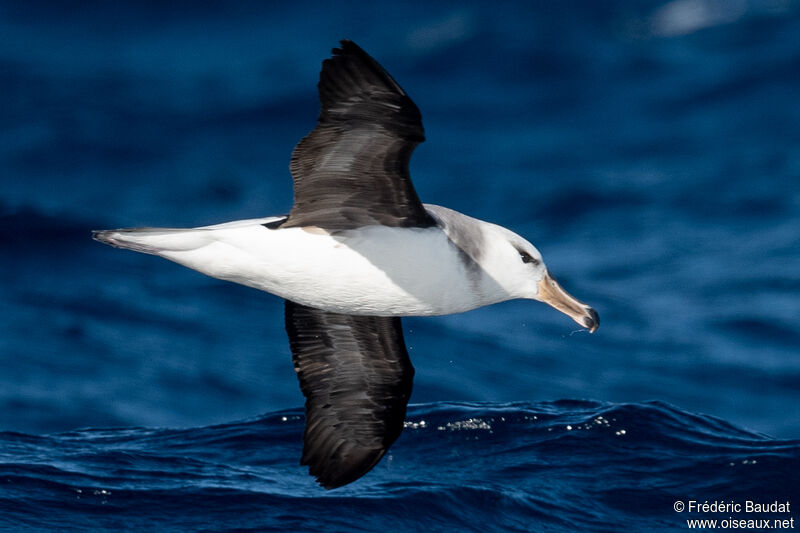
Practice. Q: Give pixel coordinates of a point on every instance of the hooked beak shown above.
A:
(551, 293)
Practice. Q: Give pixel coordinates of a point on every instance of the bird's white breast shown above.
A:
(374, 270)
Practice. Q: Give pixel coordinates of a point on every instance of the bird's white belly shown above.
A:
(375, 270)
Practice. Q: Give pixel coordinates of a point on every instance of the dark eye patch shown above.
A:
(527, 258)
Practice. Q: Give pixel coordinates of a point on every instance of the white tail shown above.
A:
(154, 240)
(160, 240)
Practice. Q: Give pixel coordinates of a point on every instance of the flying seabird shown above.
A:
(357, 251)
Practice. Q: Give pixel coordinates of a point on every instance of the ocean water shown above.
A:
(568, 465)
(649, 149)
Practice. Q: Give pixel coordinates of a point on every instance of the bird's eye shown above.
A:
(527, 258)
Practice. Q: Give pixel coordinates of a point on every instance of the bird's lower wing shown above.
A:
(356, 376)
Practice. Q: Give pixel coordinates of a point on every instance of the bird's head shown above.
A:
(524, 275)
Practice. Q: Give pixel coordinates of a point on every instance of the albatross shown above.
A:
(357, 251)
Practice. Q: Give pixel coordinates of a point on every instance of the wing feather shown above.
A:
(352, 169)
(356, 376)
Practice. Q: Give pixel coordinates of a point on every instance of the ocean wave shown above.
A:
(458, 466)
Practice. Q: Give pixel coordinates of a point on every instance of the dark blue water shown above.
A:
(550, 466)
(649, 149)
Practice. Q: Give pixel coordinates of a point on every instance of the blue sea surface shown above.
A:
(569, 465)
(649, 149)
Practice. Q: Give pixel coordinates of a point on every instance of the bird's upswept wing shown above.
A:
(356, 376)
(352, 169)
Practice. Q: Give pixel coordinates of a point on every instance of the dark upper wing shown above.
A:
(352, 169)
(356, 376)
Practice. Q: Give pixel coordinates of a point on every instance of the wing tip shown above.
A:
(348, 47)
(332, 473)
